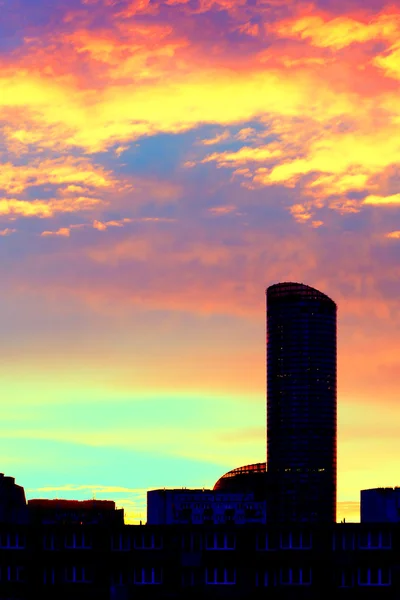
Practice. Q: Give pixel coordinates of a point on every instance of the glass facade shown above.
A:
(301, 403)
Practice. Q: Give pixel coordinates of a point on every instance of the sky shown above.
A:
(162, 163)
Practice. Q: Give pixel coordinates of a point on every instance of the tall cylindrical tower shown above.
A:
(301, 403)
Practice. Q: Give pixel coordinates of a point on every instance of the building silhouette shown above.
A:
(204, 507)
(301, 403)
(380, 505)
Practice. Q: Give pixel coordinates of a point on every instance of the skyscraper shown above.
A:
(301, 403)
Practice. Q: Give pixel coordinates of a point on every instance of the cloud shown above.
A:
(382, 200)
(221, 210)
(91, 488)
(66, 171)
(390, 61)
(63, 232)
(221, 137)
(341, 31)
(46, 209)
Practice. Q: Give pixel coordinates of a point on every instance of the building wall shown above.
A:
(214, 561)
(380, 505)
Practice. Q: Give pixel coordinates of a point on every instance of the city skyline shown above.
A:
(162, 164)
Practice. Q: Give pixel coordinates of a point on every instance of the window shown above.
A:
(295, 576)
(220, 541)
(121, 578)
(344, 540)
(375, 539)
(13, 573)
(220, 576)
(148, 576)
(187, 577)
(148, 541)
(374, 576)
(264, 579)
(296, 540)
(48, 576)
(77, 575)
(345, 578)
(79, 540)
(48, 541)
(191, 542)
(121, 542)
(12, 541)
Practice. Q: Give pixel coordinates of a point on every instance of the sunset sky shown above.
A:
(162, 164)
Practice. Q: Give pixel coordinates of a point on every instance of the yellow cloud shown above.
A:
(382, 200)
(244, 155)
(394, 235)
(301, 213)
(390, 62)
(69, 171)
(42, 208)
(63, 114)
(340, 32)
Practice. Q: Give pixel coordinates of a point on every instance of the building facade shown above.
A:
(199, 507)
(127, 562)
(301, 403)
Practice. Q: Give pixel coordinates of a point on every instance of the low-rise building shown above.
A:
(203, 506)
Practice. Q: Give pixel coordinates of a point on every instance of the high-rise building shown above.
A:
(301, 403)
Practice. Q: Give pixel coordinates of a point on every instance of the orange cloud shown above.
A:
(221, 210)
(7, 231)
(394, 235)
(63, 232)
(301, 213)
(102, 226)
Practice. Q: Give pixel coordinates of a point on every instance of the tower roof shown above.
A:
(290, 289)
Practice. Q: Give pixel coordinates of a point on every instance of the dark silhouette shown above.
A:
(301, 403)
